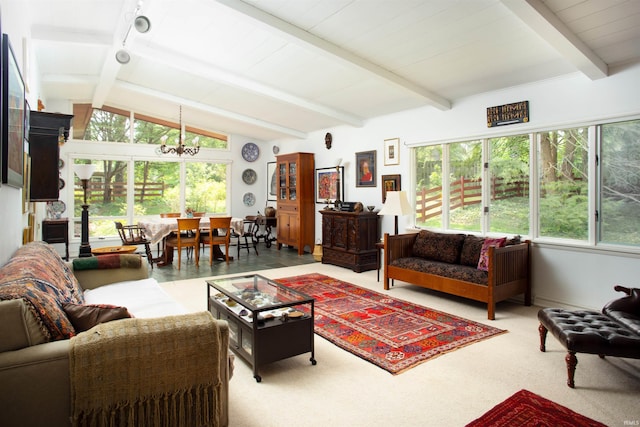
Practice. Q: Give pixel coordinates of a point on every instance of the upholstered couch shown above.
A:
(48, 341)
(482, 269)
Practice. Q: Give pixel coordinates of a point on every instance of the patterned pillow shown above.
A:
(470, 254)
(483, 263)
(43, 305)
(85, 317)
(438, 246)
(40, 262)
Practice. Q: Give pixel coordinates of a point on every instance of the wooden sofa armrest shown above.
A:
(398, 246)
(510, 264)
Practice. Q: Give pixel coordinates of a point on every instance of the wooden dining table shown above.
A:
(158, 229)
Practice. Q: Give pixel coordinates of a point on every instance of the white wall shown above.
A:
(562, 274)
(13, 221)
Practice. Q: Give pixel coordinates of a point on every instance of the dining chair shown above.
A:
(133, 235)
(172, 215)
(187, 236)
(213, 236)
(248, 232)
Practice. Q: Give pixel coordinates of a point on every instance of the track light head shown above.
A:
(142, 24)
(123, 57)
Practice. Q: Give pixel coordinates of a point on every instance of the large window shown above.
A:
(449, 181)
(132, 182)
(563, 177)
(508, 186)
(620, 183)
(465, 186)
(114, 125)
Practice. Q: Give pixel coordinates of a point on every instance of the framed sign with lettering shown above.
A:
(508, 114)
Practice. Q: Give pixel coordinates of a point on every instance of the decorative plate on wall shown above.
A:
(249, 199)
(61, 183)
(249, 176)
(250, 152)
(55, 209)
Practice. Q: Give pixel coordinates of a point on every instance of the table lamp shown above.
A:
(84, 172)
(396, 204)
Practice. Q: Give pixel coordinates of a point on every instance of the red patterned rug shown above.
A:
(393, 334)
(528, 409)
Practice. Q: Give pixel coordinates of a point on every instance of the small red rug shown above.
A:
(393, 334)
(528, 409)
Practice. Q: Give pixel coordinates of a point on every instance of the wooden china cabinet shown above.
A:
(45, 133)
(296, 202)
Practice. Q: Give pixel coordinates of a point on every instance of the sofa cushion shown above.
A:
(483, 263)
(443, 269)
(471, 248)
(143, 298)
(86, 316)
(438, 246)
(20, 328)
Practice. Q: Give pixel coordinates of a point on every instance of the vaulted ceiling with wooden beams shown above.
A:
(271, 69)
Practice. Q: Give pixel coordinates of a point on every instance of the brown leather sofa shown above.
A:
(614, 332)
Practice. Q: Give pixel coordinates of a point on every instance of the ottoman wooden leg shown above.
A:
(572, 362)
(543, 337)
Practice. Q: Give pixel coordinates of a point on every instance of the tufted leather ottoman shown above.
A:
(584, 331)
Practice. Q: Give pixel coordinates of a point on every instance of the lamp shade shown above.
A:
(85, 171)
(396, 204)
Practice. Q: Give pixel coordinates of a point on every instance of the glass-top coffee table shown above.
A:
(267, 321)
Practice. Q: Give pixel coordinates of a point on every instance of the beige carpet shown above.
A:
(452, 390)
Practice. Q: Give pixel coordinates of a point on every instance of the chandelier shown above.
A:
(180, 147)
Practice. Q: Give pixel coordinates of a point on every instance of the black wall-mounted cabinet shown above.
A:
(44, 134)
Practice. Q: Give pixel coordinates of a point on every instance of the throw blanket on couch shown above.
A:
(116, 381)
(107, 261)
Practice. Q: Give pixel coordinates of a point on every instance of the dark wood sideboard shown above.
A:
(349, 239)
(56, 231)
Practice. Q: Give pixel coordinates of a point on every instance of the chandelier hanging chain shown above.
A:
(180, 148)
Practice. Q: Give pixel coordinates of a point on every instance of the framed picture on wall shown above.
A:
(366, 169)
(13, 120)
(390, 183)
(329, 185)
(271, 181)
(392, 152)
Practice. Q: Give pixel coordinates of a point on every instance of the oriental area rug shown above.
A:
(393, 334)
(528, 409)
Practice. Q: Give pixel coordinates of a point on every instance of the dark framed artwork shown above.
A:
(13, 119)
(271, 181)
(329, 184)
(390, 183)
(366, 169)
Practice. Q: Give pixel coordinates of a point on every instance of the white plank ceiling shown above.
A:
(270, 69)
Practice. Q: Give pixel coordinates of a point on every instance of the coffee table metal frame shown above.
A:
(266, 340)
